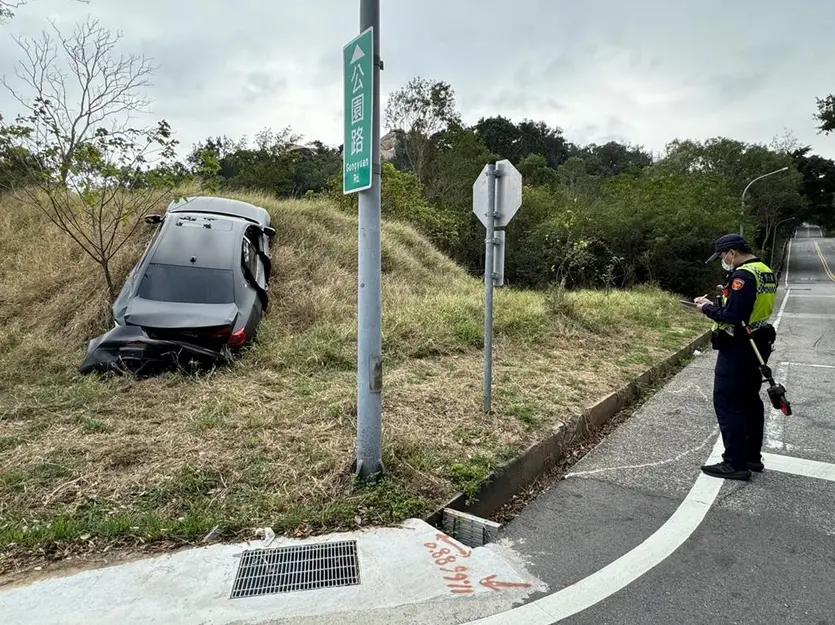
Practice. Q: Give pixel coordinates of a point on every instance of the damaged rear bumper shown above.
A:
(129, 349)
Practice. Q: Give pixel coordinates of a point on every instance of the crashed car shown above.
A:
(196, 295)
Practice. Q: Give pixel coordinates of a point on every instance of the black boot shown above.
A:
(756, 465)
(726, 471)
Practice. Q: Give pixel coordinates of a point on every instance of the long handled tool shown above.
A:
(776, 392)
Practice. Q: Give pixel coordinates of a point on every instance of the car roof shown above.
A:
(213, 241)
(221, 206)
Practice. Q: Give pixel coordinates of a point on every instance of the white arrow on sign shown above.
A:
(508, 193)
(358, 54)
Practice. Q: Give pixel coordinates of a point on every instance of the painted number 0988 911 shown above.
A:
(445, 555)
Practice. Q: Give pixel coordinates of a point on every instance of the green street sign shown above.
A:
(358, 71)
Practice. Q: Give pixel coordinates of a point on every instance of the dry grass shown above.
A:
(268, 441)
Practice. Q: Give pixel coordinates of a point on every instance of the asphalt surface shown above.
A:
(765, 551)
(634, 534)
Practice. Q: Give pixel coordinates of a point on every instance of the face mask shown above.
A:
(726, 265)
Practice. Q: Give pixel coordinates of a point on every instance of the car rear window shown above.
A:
(193, 285)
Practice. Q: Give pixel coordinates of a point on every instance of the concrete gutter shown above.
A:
(541, 457)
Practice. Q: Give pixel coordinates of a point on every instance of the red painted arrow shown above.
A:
(491, 583)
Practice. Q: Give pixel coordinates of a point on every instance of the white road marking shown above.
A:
(666, 539)
(808, 316)
(808, 364)
(654, 550)
(789, 260)
(647, 464)
(692, 387)
(779, 317)
(626, 569)
(800, 466)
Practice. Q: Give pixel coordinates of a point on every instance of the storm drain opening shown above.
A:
(469, 529)
(298, 567)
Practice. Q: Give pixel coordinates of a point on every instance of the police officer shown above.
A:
(748, 297)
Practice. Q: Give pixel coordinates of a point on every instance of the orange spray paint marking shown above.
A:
(491, 583)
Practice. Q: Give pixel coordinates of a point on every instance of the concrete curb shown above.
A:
(540, 457)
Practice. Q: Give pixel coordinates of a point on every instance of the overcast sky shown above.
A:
(645, 72)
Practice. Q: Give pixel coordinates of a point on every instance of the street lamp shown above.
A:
(742, 207)
(774, 238)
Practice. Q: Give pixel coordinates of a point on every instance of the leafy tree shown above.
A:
(16, 162)
(536, 237)
(276, 163)
(516, 141)
(661, 226)
(613, 159)
(313, 167)
(574, 178)
(826, 114)
(402, 199)
(535, 171)
(817, 187)
(205, 166)
(420, 111)
(737, 163)
(540, 138)
(459, 159)
(500, 136)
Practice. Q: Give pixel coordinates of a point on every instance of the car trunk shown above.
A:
(133, 349)
(209, 325)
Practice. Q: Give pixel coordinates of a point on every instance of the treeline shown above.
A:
(606, 215)
(594, 215)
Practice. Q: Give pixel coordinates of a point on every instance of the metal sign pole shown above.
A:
(369, 303)
(497, 195)
(489, 248)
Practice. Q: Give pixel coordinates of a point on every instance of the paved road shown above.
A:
(636, 535)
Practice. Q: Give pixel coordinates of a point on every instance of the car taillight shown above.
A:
(223, 333)
(237, 339)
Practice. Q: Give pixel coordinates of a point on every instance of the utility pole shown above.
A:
(370, 297)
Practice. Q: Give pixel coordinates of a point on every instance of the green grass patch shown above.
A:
(269, 440)
(91, 425)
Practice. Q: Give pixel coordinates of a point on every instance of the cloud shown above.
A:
(642, 72)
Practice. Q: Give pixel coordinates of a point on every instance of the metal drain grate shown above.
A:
(300, 567)
(469, 529)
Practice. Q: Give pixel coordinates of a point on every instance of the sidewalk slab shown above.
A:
(192, 587)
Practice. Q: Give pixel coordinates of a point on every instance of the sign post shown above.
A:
(497, 195)
(361, 173)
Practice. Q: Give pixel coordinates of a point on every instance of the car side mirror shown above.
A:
(153, 219)
(269, 231)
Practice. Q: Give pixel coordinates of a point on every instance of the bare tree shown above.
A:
(92, 174)
(419, 111)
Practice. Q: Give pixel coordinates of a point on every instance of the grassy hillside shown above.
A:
(88, 461)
